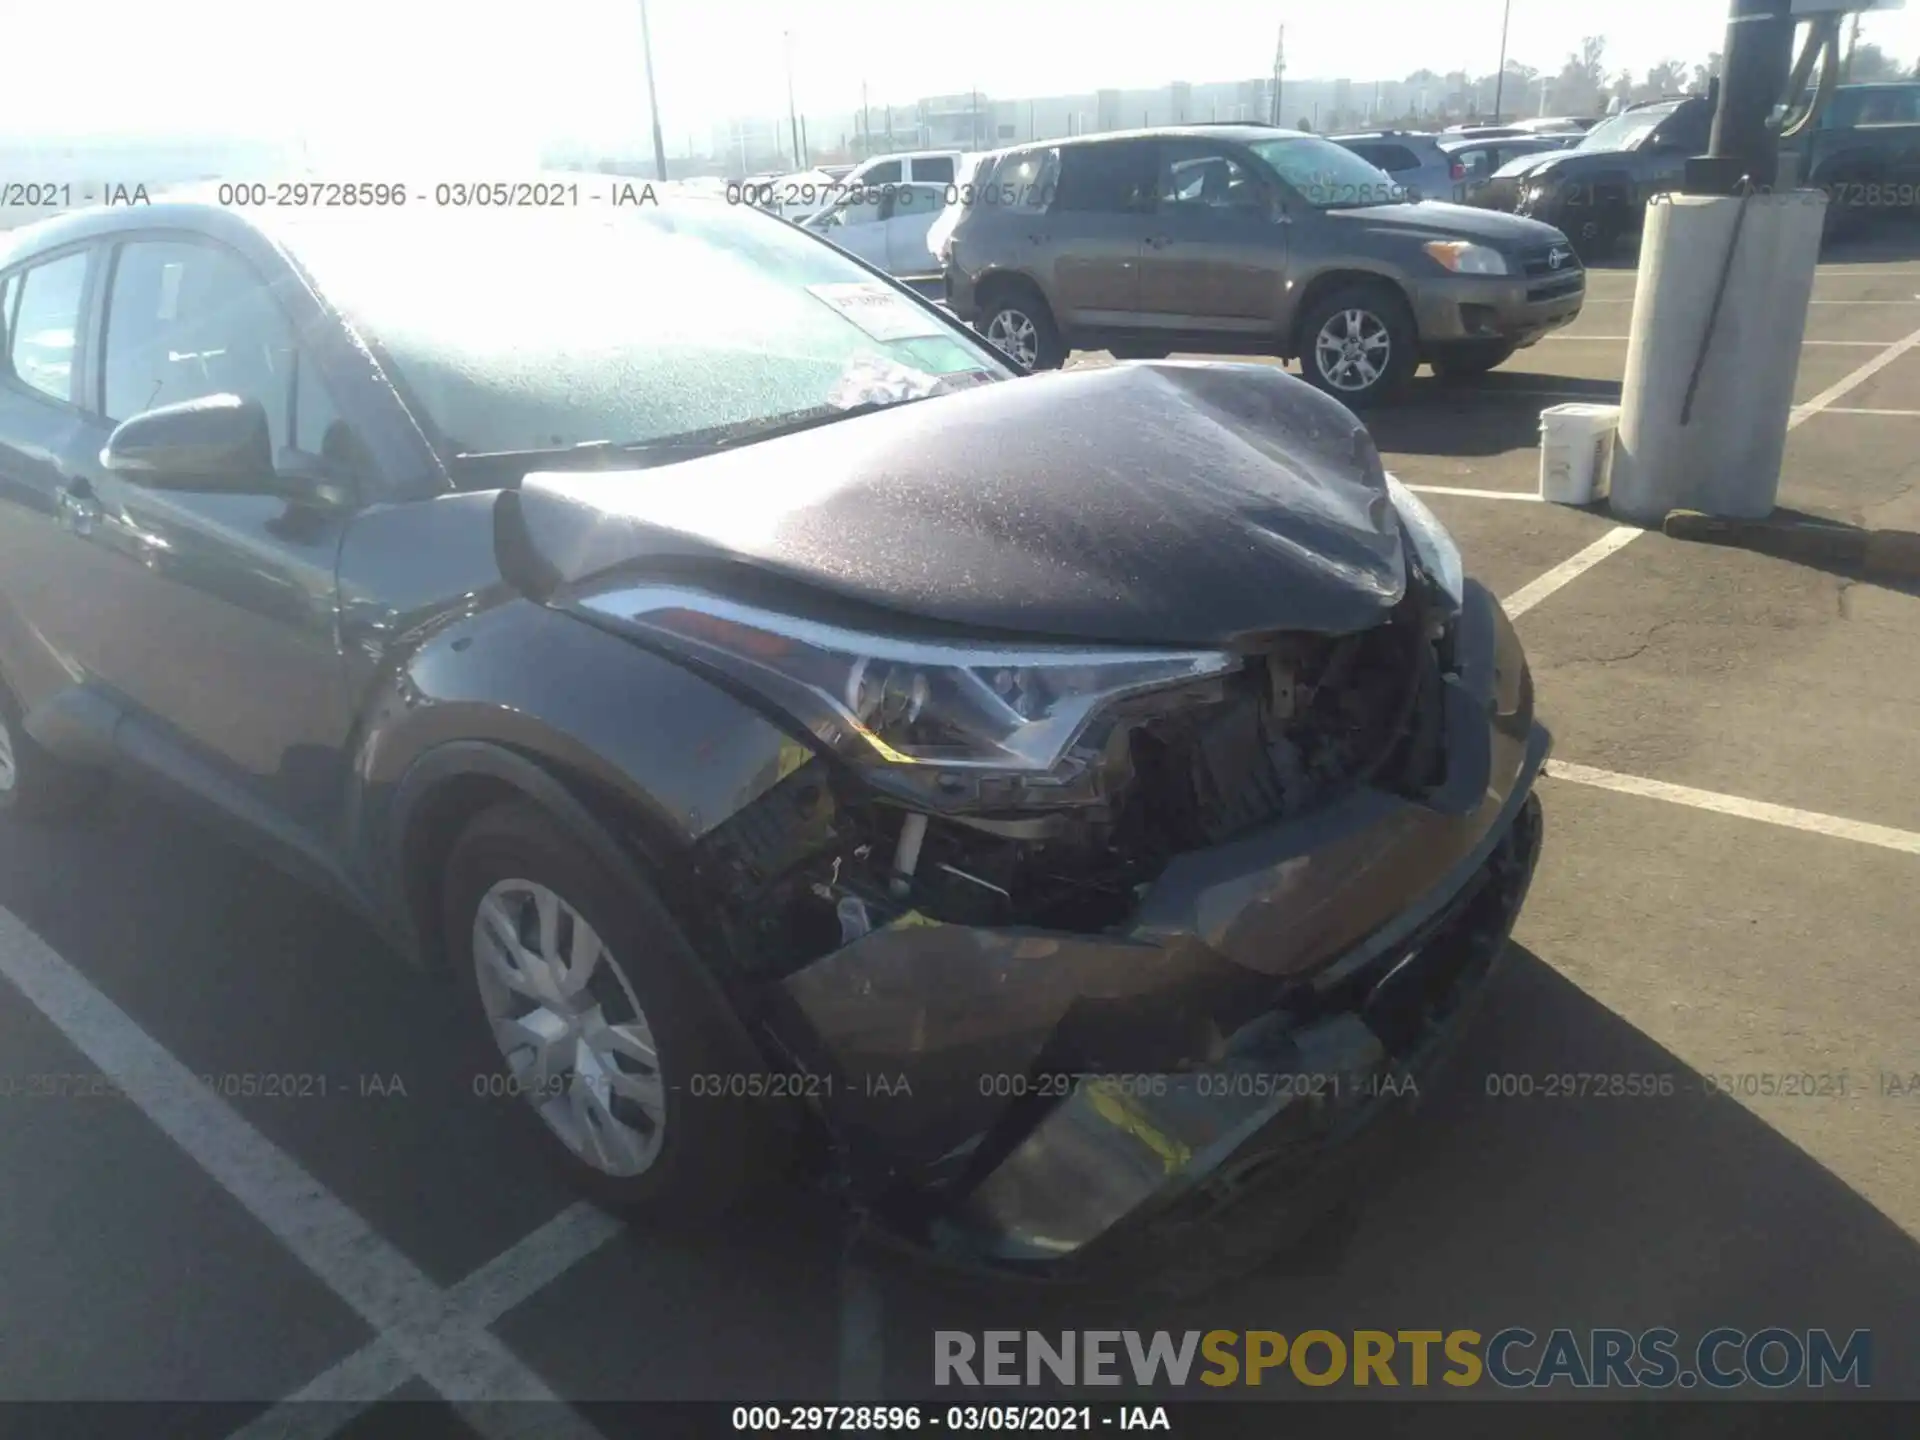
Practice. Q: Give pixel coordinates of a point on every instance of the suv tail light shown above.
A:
(1458, 171)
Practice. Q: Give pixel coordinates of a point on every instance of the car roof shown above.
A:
(1242, 131)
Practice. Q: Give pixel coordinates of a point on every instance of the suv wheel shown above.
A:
(1018, 323)
(35, 784)
(603, 1028)
(1358, 343)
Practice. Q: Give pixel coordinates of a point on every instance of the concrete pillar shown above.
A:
(1714, 443)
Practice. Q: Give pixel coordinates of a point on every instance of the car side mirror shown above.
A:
(219, 443)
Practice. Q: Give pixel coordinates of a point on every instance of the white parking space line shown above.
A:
(1876, 304)
(1898, 414)
(1883, 836)
(332, 1400)
(1845, 344)
(388, 1291)
(1569, 570)
(1854, 378)
(1475, 494)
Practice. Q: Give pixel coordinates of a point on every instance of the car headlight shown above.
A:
(1465, 258)
(889, 701)
(1437, 553)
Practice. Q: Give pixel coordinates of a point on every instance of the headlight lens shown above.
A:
(903, 702)
(1464, 258)
(1439, 556)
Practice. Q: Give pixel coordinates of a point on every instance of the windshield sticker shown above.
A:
(879, 310)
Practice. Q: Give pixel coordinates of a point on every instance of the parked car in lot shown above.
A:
(1480, 159)
(1249, 240)
(785, 728)
(923, 167)
(1415, 161)
(1556, 125)
(888, 226)
(1864, 150)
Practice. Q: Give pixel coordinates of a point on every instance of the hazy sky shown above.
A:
(380, 78)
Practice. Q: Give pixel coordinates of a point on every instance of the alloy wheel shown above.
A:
(1353, 349)
(1014, 332)
(577, 1044)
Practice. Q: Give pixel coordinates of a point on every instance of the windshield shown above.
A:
(535, 329)
(1623, 132)
(1329, 176)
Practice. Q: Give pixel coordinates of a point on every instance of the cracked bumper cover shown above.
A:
(1266, 1000)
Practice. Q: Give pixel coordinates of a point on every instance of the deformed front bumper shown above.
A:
(1046, 1100)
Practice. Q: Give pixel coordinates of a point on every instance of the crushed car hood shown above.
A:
(1169, 503)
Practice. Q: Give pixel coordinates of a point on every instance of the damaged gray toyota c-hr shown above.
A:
(1070, 805)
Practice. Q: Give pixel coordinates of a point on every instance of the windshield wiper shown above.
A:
(807, 420)
(638, 454)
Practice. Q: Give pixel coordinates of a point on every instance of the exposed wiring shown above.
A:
(1719, 297)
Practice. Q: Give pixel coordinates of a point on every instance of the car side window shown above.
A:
(1899, 106)
(46, 325)
(1023, 184)
(1116, 178)
(187, 320)
(1688, 128)
(1196, 179)
(935, 169)
(915, 198)
(1480, 163)
(863, 208)
(885, 173)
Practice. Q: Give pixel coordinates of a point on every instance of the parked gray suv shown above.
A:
(1247, 240)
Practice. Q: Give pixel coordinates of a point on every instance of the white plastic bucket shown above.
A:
(1576, 452)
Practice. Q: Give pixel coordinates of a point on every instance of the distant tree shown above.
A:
(1520, 82)
(1303, 124)
(1869, 64)
(1582, 81)
(1669, 77)
(1704, 73)
(1423, 77)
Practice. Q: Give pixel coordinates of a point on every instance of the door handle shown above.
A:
(78, 506)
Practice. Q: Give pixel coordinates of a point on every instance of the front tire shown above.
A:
(1358, 344)
(1017, 322)
(610, 1045)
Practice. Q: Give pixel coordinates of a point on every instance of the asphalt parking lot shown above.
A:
(1730, 892)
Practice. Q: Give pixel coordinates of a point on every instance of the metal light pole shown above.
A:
(1500, 75)
(793, 112)
(653, 94)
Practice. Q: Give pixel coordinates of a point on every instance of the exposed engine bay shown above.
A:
(821, 860)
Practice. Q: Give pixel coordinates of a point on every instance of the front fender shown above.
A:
(549, 704)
